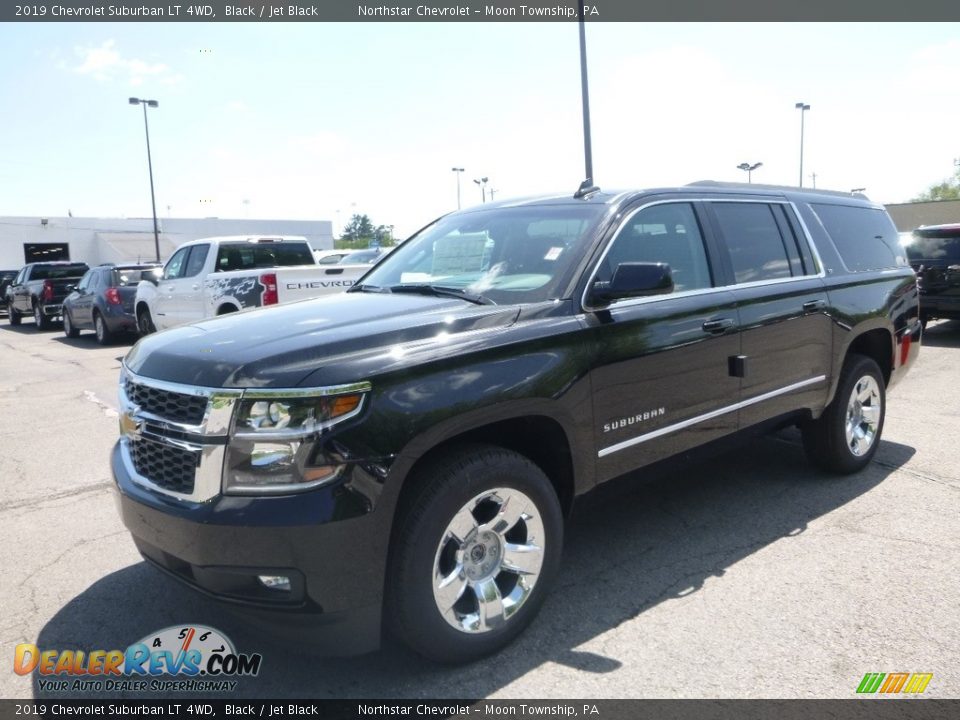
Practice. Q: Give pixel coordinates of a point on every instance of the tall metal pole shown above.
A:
(153, 200)
(458, 171)
(585, 96)
(803, 109)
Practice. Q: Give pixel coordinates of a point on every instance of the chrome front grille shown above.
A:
(173, 406)
(173, 436)
(168, 467)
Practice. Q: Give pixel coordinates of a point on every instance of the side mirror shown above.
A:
(634, 279)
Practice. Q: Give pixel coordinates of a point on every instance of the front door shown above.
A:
(661, 379)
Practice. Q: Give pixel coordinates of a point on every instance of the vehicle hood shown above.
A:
(343, 338)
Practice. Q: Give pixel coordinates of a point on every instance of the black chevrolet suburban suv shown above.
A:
(403, 455)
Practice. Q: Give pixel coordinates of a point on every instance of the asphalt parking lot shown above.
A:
(749, 575)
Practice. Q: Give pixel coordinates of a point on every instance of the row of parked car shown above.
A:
(203, 278)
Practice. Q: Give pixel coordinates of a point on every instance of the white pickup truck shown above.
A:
(218, 275)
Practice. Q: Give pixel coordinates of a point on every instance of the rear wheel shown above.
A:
(42, 321)
(145, 324)
(476, 552)
(68, 329)
(104, 335)
(845, 438)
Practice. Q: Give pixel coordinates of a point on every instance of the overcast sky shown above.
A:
(318, 121)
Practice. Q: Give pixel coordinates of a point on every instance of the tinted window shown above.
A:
(865, 237)
(940, 245)
(667, 233)
(175, 264)
(85, 281)
(252, 256)
(131, 276)
(55, 272)
(753, 238)
(198, 255)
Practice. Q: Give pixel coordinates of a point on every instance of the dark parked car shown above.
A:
(39, 289)
(404, 454)
(6, 277)
(103, 301)
(363, 257)
(934, 252)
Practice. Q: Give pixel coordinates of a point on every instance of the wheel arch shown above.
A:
(878, 345)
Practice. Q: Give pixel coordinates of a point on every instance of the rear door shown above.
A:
(661, 381)
(786, 328)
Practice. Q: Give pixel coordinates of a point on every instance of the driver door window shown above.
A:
(664, 233)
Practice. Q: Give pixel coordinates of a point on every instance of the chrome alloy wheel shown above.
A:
(863, 415)
(488, 560)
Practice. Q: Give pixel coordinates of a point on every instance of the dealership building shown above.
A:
(122, 240)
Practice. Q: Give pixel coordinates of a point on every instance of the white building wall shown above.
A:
(87, 243)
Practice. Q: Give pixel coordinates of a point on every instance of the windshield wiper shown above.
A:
(441, 291)
(366, 287)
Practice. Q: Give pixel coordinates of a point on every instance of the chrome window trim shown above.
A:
(683, 424)
(630, 302)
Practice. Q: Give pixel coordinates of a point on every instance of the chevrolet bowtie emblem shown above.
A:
(130, 424)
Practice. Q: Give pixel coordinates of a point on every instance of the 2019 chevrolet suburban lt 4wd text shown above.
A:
(403, 455)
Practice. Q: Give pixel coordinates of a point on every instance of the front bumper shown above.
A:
(332, 547)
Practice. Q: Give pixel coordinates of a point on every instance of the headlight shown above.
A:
(272, 445)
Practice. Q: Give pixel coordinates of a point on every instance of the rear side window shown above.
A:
(865, 237)
(757, 247)
(939, 245)
(253, 256)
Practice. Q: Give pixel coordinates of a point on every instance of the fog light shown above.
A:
(275, 582)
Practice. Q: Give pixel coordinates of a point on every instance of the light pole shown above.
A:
(482, 182)
(153, 202)
(492, 191)
(748, 168)
(803, 109)
(458, 171)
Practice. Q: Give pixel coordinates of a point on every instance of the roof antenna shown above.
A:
(587, 186)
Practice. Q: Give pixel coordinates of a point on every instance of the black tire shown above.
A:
(474, 481)
(845, 438)
(145, 324)
(14, 315)
(68, 327)
(101, 329)
(41, 320)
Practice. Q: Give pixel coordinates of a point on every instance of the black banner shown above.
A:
(873, 709)
(478, 11)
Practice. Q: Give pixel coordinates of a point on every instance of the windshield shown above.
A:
(506, 255)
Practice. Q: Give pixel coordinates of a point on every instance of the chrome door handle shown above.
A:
(718, 326)
(814, 305)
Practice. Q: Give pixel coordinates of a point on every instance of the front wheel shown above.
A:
(145, 324)
(13, 314)
(845, 438)
(476, 551)
(68, 327)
